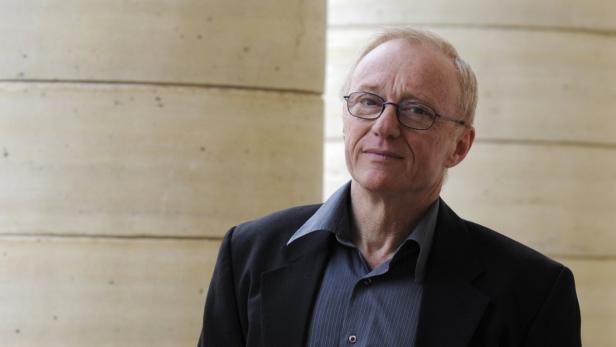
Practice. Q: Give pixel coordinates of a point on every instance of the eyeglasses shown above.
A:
(410, 113)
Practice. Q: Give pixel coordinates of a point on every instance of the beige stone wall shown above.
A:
(133, 134)
(543, 168)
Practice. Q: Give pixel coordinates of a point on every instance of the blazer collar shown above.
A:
(451, 307)
(288, 292)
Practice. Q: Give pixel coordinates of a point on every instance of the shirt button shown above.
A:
(367, 281)
(352, 338)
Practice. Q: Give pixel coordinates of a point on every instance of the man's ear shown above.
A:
(462, 147)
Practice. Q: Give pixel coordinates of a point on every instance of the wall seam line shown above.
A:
(160, 84)
(505, 27)
(7, 236)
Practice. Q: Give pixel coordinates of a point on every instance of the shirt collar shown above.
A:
(327, 216)
(334, 213)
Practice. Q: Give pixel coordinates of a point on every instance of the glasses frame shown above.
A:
(434, 116)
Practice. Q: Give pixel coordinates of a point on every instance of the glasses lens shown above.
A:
(365, 105)
(416, 116)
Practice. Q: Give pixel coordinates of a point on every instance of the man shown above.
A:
(385, 262)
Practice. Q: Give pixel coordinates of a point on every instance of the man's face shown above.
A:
(384, 156)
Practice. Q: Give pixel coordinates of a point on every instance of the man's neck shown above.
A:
(381, 222)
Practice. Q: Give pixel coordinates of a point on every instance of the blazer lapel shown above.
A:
(451, 307)
(288, 292)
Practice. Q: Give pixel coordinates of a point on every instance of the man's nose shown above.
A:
(387, 125)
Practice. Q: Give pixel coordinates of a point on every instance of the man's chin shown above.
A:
(378, 184)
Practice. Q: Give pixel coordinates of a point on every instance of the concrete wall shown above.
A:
(133, 134)
(543, 168)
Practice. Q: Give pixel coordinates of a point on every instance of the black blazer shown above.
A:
(481, 288)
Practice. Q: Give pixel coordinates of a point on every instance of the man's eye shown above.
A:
(419, 110)
(368, 102)
(416, 109)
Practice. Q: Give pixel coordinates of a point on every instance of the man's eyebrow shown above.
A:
(419, 98)
(373, 88)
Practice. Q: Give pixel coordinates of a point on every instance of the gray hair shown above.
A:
(466, 77)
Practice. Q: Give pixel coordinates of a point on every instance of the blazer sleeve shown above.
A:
(221, 322)
(558, 321)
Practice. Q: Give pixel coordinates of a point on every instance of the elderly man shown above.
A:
(384, 261)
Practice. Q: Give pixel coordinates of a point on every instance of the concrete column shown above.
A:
(543, 169)
(133, 134)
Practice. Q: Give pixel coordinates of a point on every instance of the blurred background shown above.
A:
(134, 133)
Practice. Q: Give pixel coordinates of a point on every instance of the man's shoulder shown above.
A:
(290, 218)
(273, 229)
(495, 248)
(259, 244)
(518, 269)
(503, 250)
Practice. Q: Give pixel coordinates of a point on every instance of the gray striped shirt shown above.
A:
(360, 306)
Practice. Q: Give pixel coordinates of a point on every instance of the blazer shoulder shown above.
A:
(262, 241)
(496, 250)
(503, 251)
(274, 225)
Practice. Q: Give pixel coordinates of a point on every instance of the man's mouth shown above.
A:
(383, 153)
